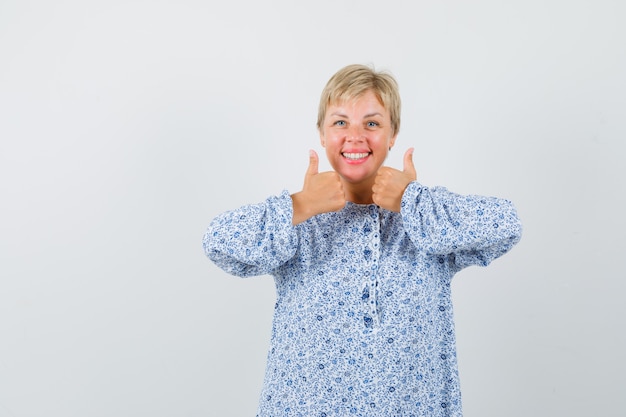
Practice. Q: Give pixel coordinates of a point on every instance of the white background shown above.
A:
(126, 126)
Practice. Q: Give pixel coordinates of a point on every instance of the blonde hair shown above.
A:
(353, 81)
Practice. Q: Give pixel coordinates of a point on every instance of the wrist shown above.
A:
(300, 208)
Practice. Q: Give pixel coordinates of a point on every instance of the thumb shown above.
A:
(313, 163)
(409, 168)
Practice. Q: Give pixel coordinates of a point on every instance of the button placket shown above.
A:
(370, 284)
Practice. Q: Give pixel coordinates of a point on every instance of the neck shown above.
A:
(358, 193)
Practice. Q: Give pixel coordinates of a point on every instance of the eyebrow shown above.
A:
(365, 117)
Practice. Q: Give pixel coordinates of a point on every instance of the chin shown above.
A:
(355, 179)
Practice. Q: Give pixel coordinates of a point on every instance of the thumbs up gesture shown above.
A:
(390, 183)
(322, 192)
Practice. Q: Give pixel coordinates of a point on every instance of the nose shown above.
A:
(355, 134)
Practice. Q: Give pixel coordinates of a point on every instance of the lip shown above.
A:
(355, 156)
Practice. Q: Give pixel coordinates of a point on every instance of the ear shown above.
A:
(322, 139)
(392, 141)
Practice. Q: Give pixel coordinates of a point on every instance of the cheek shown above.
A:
(328, 141)
(325, 138)
(389, 140)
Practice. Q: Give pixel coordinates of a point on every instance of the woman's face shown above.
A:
(357, 136)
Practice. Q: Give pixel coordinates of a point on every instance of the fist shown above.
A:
(390, 183)
(321, 192)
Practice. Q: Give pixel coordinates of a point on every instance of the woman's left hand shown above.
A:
(390, 183)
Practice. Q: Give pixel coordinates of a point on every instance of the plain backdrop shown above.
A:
(126, 126)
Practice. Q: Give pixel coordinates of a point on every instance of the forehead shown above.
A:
(368, 101)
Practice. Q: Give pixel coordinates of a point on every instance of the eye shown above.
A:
(340, 123)
(373, 124)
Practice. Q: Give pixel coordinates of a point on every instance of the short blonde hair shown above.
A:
(355, 80)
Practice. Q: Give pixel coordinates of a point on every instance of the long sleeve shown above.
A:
(254, 239)
(473, 230)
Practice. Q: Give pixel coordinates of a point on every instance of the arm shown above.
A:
(474, 229)
(257, 239)
(254, 239)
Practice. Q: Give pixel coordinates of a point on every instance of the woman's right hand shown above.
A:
(322, 192)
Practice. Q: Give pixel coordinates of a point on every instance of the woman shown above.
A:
(362, 258)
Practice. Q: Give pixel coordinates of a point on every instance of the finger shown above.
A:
(313, 163)
(409, 168)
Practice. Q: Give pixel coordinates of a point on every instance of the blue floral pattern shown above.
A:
(363, 322)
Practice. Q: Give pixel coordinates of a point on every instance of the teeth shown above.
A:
(355, 155)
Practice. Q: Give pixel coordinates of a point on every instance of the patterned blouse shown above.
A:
(363, 322)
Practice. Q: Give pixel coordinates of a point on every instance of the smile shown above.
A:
(355, 156)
